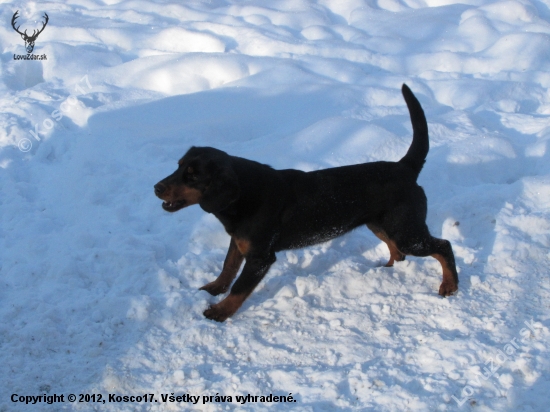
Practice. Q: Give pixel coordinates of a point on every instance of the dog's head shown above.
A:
(204, 176)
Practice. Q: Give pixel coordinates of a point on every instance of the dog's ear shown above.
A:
(223, 190)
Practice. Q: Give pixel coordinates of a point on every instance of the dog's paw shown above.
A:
(226, 308)
(216, 313)
(215, 288)
(448, 288)
(397, 258)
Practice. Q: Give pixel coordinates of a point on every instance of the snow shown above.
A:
(99, 287)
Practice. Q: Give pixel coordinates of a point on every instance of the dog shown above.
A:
(266, 210)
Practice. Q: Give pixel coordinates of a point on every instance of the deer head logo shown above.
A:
(29, 40)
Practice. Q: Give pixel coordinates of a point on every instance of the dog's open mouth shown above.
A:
(174, 206)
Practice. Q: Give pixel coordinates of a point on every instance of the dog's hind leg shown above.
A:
(231, 266)
(421, 243)
(395, 254)
(447, 260)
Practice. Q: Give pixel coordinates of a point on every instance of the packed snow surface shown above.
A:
(99, 286)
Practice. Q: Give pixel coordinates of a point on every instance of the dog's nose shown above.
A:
(159, 189)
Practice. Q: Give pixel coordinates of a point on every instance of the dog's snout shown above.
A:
(159, 189)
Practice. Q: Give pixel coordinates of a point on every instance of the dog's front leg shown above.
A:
(231, 266)
(255, 268)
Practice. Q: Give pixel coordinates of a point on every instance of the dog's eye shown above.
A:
(191, 174)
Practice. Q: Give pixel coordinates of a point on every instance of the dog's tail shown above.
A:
(416, 155)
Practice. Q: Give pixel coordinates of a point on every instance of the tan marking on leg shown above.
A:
(243, 245)
(448, 286)
(395, 254)
(226, 308)
(231, 266)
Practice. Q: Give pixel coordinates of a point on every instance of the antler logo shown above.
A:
(29, 40)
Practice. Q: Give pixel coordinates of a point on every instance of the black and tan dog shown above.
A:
(266, 210)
